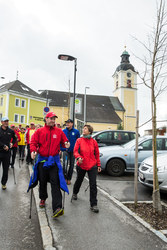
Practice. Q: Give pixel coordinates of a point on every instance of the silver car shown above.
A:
(118, 159)
(146, 172)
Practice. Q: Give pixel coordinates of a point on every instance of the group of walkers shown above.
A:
(47, 144)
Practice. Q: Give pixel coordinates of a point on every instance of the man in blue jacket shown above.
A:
(72, 135)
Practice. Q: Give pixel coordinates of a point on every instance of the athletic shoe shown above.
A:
(42, 204)
(4, 187)
(74, 197)
(94, 209)
(58, 212)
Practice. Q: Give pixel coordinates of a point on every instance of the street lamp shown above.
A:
(85, 105)
(71, 58)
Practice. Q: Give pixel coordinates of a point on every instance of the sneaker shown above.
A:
(4, 187)
(74, 197)
(42, 204)
(58, 212)
(94, 209)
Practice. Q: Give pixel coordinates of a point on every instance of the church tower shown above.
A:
(125, 80)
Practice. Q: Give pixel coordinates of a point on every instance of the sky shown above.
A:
(34, 33)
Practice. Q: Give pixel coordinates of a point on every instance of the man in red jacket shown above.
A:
(30, 131)
(13, 150)
(46, 141)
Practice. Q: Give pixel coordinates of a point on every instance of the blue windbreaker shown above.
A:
(72, 135)
(49, 161)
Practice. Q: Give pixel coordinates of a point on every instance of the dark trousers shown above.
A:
(68, 170)
(5, 160)
(92, 173)
(50, 175)
(13, 152)
(28, 158)
(21, 151)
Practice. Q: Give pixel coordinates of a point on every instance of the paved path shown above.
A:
(17, 231)
(111, 229)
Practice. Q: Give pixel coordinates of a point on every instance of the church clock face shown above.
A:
(128, 74)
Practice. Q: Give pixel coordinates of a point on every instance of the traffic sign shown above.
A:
(46, 109)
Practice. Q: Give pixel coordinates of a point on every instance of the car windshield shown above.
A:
(132, 143)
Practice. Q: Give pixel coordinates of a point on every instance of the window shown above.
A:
(165, 144)
(22, 119)
(16, 118)
(1, 101)
(23, 103)
(147, 145)
(17, 102)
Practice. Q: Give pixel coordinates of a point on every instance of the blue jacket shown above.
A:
(49, 161)
(72, 135)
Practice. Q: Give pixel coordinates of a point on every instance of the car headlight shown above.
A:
(160, 169)
(101, 154)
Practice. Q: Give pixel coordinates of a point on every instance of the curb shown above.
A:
(160, 233)
(46, 234)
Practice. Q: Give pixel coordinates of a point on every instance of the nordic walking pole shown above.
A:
(86, 188)
(19, 163)
(14, 176)
(30, 204)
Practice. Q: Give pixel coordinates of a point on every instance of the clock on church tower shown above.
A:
(125, 80)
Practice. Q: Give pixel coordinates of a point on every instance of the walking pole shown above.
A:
(19, 163)
(30, 204)
(35, 160)
(86, 188)
(14, 176)
(63, 200)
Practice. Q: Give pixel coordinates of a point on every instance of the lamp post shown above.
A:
(71, 58)
(85, 105)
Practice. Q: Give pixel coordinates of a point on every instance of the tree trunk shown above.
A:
(156, 194)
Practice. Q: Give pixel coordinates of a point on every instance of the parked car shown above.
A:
(146, 172)
(113, 137)
(118, 159)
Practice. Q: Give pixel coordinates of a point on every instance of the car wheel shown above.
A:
(115, 167)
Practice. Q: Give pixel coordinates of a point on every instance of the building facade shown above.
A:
(125, 82)
(21, 104)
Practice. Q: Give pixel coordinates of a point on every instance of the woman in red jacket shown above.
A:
(86, 152)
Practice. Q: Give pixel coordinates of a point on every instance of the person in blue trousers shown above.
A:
(72, 135)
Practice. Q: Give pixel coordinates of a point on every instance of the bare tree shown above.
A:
(154, 78)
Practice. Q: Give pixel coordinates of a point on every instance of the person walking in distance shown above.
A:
(86, 152)
(72, 135)
(22, 145)
(29, 132)
(46, 142)
(6, 134)
(13, 150)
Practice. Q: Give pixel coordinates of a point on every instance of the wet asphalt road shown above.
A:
(111, 229)
(122, 188)
(17, 231)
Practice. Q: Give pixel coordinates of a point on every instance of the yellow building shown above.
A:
(125, 81)
(21, 104)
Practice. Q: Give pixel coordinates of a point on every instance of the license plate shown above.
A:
(141, 175)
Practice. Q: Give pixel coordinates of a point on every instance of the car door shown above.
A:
(104, 139)
(145, 150)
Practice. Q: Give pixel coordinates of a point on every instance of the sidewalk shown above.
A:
(80, 228)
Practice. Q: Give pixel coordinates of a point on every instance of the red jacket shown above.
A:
(88, 150)
(18, 139)
(28, 134)
(47, 140)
